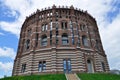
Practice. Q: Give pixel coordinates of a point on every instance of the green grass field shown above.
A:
(98, 76)
(83, 76)
(38, 77)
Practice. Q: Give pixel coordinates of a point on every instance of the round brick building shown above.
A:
(60, 40)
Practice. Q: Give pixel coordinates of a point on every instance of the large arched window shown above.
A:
(28, 44)
(90, 67)
(44, 40)
(84, 41)
(65, 39)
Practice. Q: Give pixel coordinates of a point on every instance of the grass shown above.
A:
(98, 76)
(83, 76)
(38, 77)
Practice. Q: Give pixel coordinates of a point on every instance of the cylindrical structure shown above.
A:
(60, 40)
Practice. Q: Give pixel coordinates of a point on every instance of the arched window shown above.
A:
(64, 39)
(28, 44)
(84, 41)
(23, 69)
(44, 40)
(64, 25)
(29, 32)
(44, 27)
(90, 66)
(42, 66)
(82, 27)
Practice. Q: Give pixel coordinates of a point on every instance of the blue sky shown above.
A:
(14, 12)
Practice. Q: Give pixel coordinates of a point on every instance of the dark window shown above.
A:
(42, 66)
(56, 32)
(50, 41)
(103, 66)
(50, 37)
(23, 68)
(57, 29)
(97, 45)
(88, 61)
(44, 40)
(84, 41)
(64, 39)
(28, 44)
(57, 40)
(37, 36)
(64, 25)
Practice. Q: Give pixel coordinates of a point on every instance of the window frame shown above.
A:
(44, 40)
(64, 24)
(44, 27)
(65, 40)
(85, 41)
(23, 68)
(42, 66)
(27, 44)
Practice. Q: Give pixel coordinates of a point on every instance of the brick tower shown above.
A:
(60, 40)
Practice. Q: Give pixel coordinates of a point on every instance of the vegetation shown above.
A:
(38, 77)
(98, 76)
(83, 76)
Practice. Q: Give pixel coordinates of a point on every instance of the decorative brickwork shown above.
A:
(60, 40)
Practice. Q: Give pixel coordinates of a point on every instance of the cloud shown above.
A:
(12, 27)
(7, 52)
(1, 34)
(30, 6)
(11, 14)
(6, 66)
(111, 38)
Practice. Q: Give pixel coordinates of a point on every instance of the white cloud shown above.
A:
(111, 38)
(13, 27)
(26, 7)
(6, 68)
(97, 8)
(7, 52)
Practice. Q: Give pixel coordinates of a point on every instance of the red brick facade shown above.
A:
(59, 40)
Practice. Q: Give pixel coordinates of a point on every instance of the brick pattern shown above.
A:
(54, 53)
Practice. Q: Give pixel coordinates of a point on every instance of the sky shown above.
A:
(14, 12)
